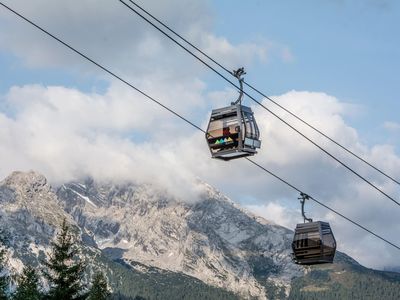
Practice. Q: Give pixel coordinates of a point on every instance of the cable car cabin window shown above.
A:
(307, 240)
(329, 242)
(249, 122)
(327, 236)
(223, 133)
(251, 138)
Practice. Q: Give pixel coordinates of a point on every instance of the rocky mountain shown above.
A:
(212, 240)
(151, 244)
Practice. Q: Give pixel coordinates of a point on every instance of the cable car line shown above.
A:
(323, 134)
(253, 88)
(186, 120)
(265, 96)
(180, 36)
(322, 204)
(99, 65)
(263, 106)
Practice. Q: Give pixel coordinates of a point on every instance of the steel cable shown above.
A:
(263, 106)
(187, 121)
(264, 95)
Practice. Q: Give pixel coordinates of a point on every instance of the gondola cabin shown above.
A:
(313, 243)
(232, 132)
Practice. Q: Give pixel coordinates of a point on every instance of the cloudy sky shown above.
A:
(334, 63)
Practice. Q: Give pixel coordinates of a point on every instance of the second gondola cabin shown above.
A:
(313, 243)
(232, 132)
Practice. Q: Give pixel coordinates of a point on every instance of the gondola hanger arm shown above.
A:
(303, 197)
(238, 74)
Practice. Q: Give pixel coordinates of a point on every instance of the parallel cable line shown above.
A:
(264, 95)
(99, 65)
(187, 121)
(263, 106)
(324, 134)
(322, 204)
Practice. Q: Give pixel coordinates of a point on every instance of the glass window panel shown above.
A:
(307, 239)
(251, 127)
(223, 127)
(328, 240)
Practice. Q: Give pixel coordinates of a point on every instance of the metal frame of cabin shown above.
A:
(313, 243)
(244, 138)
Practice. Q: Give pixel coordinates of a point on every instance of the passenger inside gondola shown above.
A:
(226, 131)
(221, 134)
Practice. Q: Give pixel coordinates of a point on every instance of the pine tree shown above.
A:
(28, 285)
(3, 278)
(64, 272)
(99, 289)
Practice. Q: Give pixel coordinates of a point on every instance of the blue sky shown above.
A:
(349, 49)
(66, 119)
(15, 72)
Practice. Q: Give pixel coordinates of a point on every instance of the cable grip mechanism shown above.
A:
(303, 197)
(238, 74)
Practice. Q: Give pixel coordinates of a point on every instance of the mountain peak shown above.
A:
(211, 239)
(28, 196)
(141, 228)
(30, 181)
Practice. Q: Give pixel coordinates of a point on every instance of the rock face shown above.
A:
(29, 214)
(212, 240)
(151, 244)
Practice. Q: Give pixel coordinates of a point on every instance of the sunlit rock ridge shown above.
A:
(211, 239)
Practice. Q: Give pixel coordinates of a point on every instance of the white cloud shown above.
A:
(276, 213)
(302, 164)
(392, 126)
(66, 133)
(233, 55)
(112, 35)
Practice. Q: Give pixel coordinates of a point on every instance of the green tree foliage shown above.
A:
(28, 285)
(64, 272)
(356, 283)
(129, 283)
(99, 289)
(3, 278)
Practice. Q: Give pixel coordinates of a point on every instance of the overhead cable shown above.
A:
(264, 95)
(263, 106)
(322, 204)
(187, 121)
